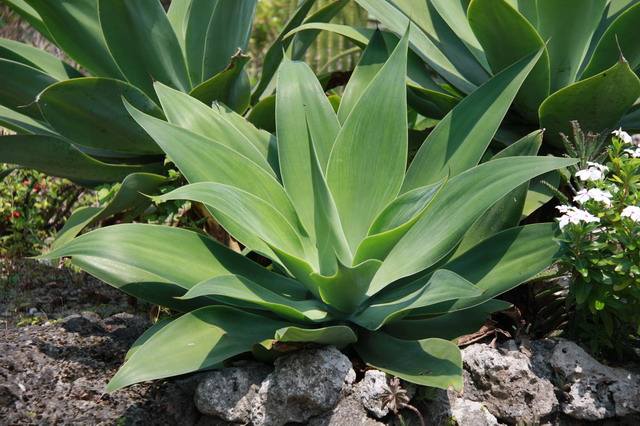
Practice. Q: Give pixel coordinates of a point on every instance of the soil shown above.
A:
(63, 334)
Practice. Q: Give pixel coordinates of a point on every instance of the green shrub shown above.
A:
(361, 252)
(582, 69)
(601, 233)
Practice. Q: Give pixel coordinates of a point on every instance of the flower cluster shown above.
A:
(600, 227)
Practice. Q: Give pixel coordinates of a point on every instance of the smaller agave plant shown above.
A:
(363, 252)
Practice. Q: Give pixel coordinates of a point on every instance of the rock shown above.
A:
(85, 324)
(229, 393)
(593, 391)
(504, 382)
(372, 390)
(448, 407)
(349, 411)
(304, 384)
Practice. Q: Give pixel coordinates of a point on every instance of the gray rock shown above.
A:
(504, 382)
(85, 324)
(349, 411)
(229, 393)
(593, 391)
(371, 391)
(448, 407)
(304, 384)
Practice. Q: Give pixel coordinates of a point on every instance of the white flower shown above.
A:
(595, 171)
(632, 212)
(575, 215)
(622, 135)
(594, 194)
(636, 139)
(635, 153)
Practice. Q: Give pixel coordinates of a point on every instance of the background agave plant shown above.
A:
(363, 252)
(586, 72)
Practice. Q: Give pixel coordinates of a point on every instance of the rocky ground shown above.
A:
(64, 334)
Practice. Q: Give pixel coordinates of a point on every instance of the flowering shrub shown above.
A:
(601, 232)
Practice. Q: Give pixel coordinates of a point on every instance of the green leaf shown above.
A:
(128, 197)
(395, 221)
(230, 86)
(307, 127)
(23, 124)
(447, 326)
(337, 335)
(37, 58)
(229, 289)
(507, 212)
(597, 103)
(256, 215)
(29, 14)
(372, 60)
(263, 114)
(463, 71)
(506, 37)
(198, 340)
(460, 139)
(539, 192)
(188, 113)
(466, 198)
(362, 180)
(149, 332)
(89, 111)
(85, 42)
(143, 44)
(215, 30)
(619, 38)
(57, 157)
(441, 286)
(429, 362)
(21, 85)
(178, 14)
(134, 259)
(274, 55)
(568, 44)
(502, 262)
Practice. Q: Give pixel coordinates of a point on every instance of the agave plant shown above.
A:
(363, 252)
(586, 72)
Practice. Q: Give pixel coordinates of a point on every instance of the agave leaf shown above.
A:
(619, 38)
(143, 43)
(215, 30)
(37, 58)
(178, 14)
(380, 115)
(632, 119)
(307, 127)
(446, 326)
(256, 215)
(230, 86)
(188, 113)
(128, 197)
(393, 18)
(85, 44)
(597, 103)
(502, 262)
(429, 362)
(274, 55)
(298, 45)
(23, 124)
(89, 112)
(460, 139)
(144, 337)
(507, 212)
(230, 289)
(21, 85)
(441, 286)
(466, 198)
(263, 114)
(29, 14)
(197, 340)
(57, 157)
(491, 20)
(568, 44)
(371, 61)
(134, 258)
(337, 335)
(394, 222)
(454, 13)
(539, 192)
